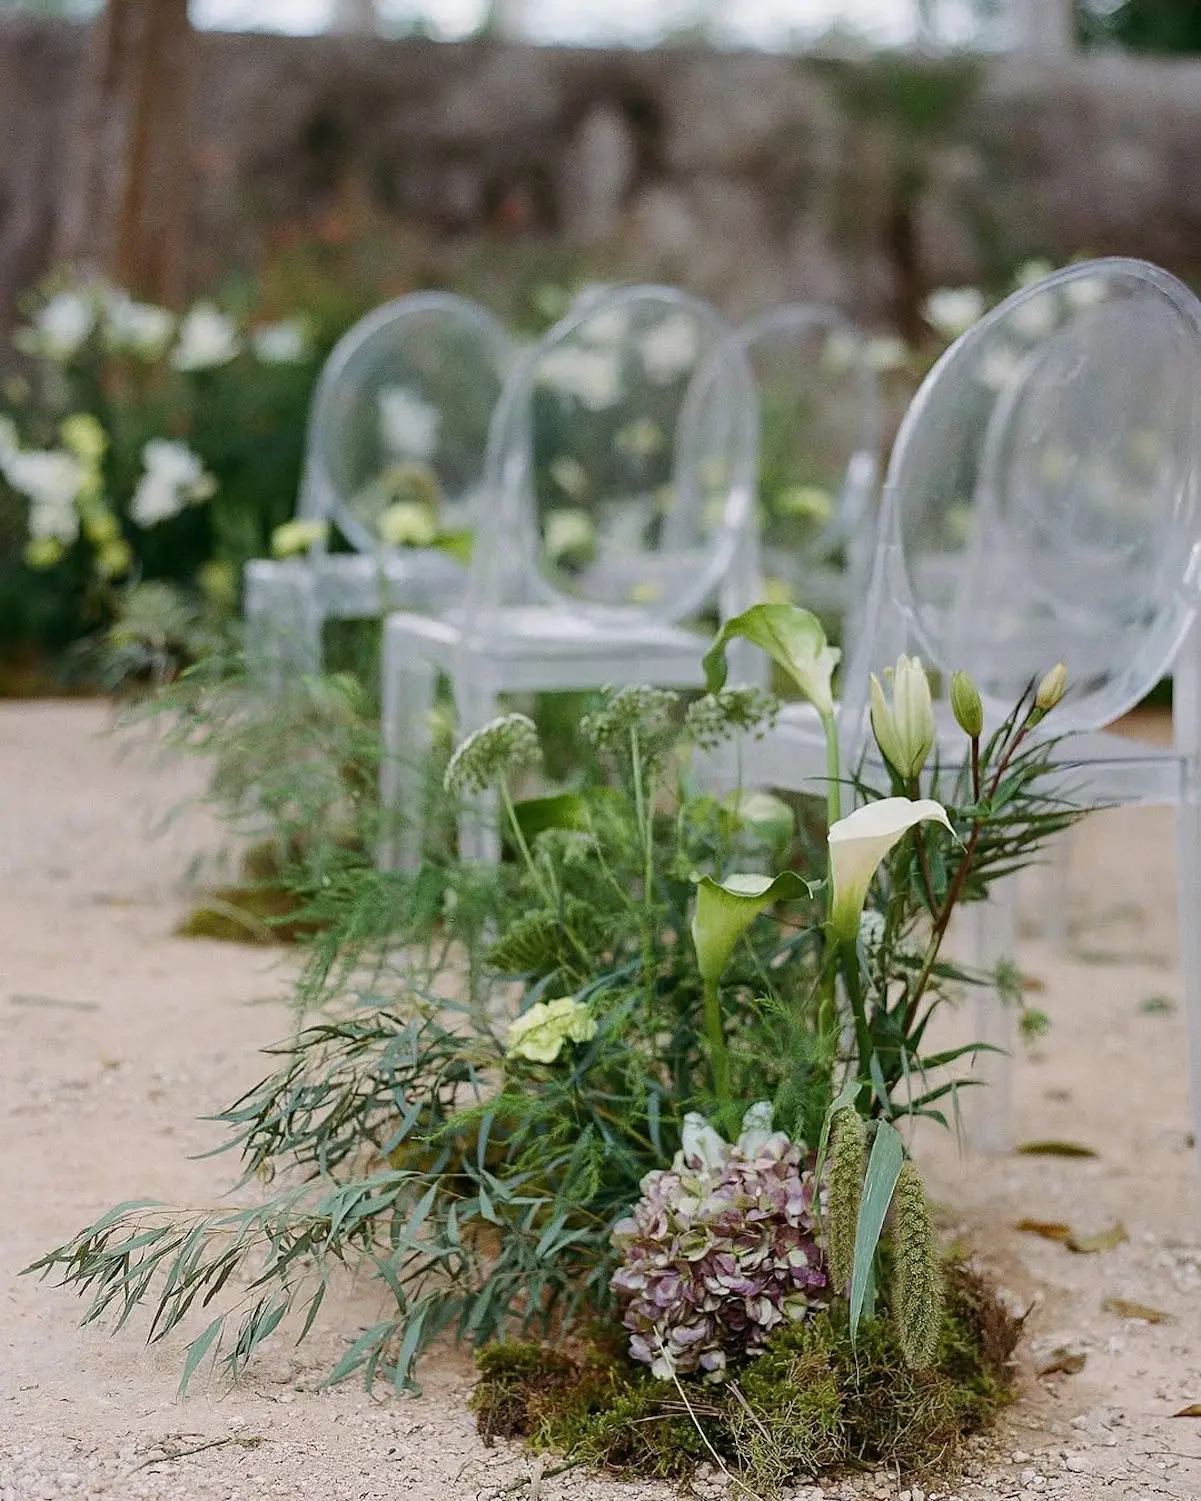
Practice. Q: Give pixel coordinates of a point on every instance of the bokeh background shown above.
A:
(267, 170)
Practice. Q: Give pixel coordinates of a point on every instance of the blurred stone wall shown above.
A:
(748, 178)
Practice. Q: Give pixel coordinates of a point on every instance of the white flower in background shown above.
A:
(1036, 318)
(296, 537)
(60, 327)
(951, 311)
(1036, 270)
(284, 343)
(641, 439)
(174, 478)
(52, 480)
(569, 474)
(999, 366)
(1085, 291)
(591, 376)
(886, 353)
(137, 328)
(859, 842)
(840, 351)
(669, 349)
(207, 338)
(407, 523)
(568, 533)
(408, 425)
(9, 439)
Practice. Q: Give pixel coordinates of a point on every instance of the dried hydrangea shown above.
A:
(638, 711)
(739, 710)
(499, 749)
(721, 1250)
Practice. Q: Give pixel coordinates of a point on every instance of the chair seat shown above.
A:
(541, 647)
(363, 586)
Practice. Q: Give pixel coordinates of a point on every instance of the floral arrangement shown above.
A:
(629, 1075)
(146, 447)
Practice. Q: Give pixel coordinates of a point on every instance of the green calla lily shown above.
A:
(725, 911)
(793, 638)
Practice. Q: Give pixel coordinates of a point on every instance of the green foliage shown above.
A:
(1161, 26)
(848, 1146)
(813, 1401)
(917, 1297)
(417, 1131)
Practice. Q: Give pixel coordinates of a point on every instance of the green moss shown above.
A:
(262, 908)
(810, 1403)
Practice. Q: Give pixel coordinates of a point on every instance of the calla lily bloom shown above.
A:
(859, 842)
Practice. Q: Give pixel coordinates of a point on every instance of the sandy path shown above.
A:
(117, 1038)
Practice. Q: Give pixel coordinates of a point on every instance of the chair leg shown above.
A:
(1188, 885)
(407, 695)
(283, 622)
(1056, 883)
(477, 703)
(991, 1104)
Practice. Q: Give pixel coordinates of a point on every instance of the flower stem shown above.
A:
(833, 771)
(719, 1056)
(849, 952)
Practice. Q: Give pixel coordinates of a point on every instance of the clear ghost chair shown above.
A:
(818, 461)
(397, 437)
(622, 448)
(1041, 505)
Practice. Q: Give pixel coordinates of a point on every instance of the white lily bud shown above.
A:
(905, 730)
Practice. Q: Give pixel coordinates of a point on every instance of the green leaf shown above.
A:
(457, 545)
(766, 817)
(883, 1169)
(1103, 1240)
(793, 638)
(565, 810)
(1054, 1149)
(724, 912)
(197, 1351)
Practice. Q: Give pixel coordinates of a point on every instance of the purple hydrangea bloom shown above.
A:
(720, 1250)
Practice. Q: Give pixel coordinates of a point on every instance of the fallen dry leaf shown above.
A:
(1103, 1240)
(1048, 1229)
(1055, 1149)
(1193, 1410)
(1125, 1310)
(1062, 1361)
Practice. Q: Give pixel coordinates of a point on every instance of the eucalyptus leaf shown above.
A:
(883, 1169)
(724, 912)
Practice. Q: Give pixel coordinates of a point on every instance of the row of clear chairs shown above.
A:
(400, 456)
(1040, 505)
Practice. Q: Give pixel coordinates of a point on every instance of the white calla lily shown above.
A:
(857, 845)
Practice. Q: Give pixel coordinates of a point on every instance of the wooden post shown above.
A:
(128, 199)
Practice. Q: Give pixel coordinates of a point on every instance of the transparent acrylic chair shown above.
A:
(622, 448)
(1041, 505)
(818, 460)
(400, 413)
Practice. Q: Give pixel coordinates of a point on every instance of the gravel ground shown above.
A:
(118, 1038)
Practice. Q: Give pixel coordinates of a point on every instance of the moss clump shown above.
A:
(810, 1403)
(265, 906)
